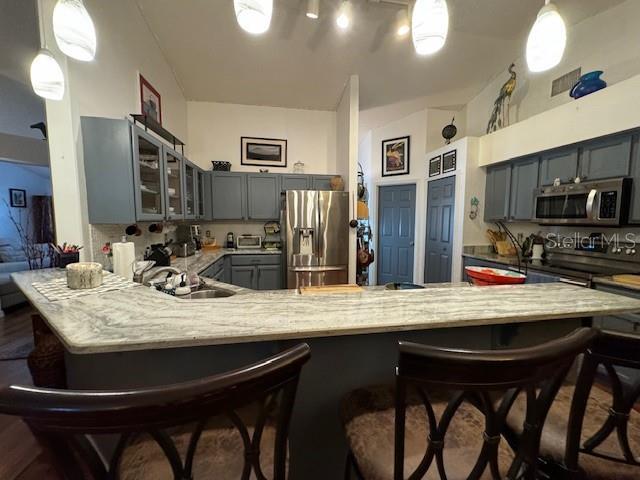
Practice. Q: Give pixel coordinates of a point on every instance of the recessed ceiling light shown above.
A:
(313, 9)
(343, 20)
(74, 30)
(254, 16)
(429, 25)
(547, 39)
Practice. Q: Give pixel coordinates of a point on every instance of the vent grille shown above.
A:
(565, 82)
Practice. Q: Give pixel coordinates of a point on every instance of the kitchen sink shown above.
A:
(209, 292)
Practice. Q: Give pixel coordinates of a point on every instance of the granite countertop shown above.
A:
(140, 318)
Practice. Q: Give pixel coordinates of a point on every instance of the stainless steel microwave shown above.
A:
(604, 202)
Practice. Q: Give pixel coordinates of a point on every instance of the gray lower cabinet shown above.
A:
(269, 277)
(229, 195)
(294, 182)
(497, 191)
(321, 182)
(561, 163)
(607, 157)
(244, 276)
(626, 323)
(263, 196)
(524, 181)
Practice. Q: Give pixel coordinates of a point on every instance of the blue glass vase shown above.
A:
(588, 83)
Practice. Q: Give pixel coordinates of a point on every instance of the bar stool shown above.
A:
(445, 418)
(593, 431)
(171, 432)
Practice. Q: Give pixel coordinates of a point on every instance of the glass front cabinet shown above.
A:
(174, 192)
(201, 188)
(190, 190)
(149, 174)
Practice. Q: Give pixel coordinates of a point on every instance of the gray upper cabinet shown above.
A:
(174, 183)
(229, 195)
(263, 196)
(204, 195)
(497, 192)
(524, 180)
(190, 190)
(607, 157)
(321, 182)
(294, 182)
(562, 164)
(108, 167)
(149, 168)
(634, 213)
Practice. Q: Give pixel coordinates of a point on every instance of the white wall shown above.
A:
(607, 41)
(215, 130)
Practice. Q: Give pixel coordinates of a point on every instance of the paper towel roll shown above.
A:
(124, 256)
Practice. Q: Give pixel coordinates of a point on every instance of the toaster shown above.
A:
(249, 241)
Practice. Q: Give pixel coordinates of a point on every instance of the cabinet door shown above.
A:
(242, 276)
(203, 192)
(149, 167)
(190, 190)
(228, 196)
(321, 182)
(497, 191)
(263, 196)
(524, 181)
(269, 277)
(174, 181)
(294, 182)
(562, 164)
(606, 158)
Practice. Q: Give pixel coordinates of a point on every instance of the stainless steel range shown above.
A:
(583, 258)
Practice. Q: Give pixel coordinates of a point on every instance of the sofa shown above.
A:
(9, 293)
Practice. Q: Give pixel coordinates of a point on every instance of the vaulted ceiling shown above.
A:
(301, 63)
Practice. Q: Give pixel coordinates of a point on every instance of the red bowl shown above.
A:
(494, 276)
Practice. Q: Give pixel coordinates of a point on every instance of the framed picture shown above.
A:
(18, 197)
(150, 101)
(263, 152)
(395, 156)
(449, 161)
(435, 166)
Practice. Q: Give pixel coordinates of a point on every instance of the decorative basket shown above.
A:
(221, 166)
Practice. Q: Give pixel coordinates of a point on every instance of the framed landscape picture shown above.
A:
(263, 152)
(18, 197)
(150, 100)
(395, 156)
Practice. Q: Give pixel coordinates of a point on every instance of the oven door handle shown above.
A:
(590, 202)
(573, 282)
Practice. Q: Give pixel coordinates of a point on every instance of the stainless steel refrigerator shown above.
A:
(316, 237)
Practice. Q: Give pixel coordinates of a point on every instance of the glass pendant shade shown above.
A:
(254, 16)
(74, 30)
(547, 40)
(429, 26)
(47, 79)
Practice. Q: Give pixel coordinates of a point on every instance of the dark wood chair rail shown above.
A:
(62, 418)
(489, 380)
(608, 351)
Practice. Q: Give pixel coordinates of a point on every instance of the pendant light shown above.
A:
(254, 16)
(429, 26)
(47, 79)
(313, 9)
(403, 27)
(547, 39)
(74, 30)
(343, 20)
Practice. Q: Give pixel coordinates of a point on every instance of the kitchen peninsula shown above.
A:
(141, 337)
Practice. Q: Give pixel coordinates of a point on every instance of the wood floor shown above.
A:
(21, 457)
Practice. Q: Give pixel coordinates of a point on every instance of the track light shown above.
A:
(547, 39)
(429, 25)
(254, 16)
(313, 9)
(74, 30)
(343, 20)
(403, 27)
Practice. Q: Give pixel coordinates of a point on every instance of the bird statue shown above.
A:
(500, 114)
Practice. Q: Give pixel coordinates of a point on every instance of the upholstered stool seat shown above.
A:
(220, 455)
(368, 417)
(554, 434)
